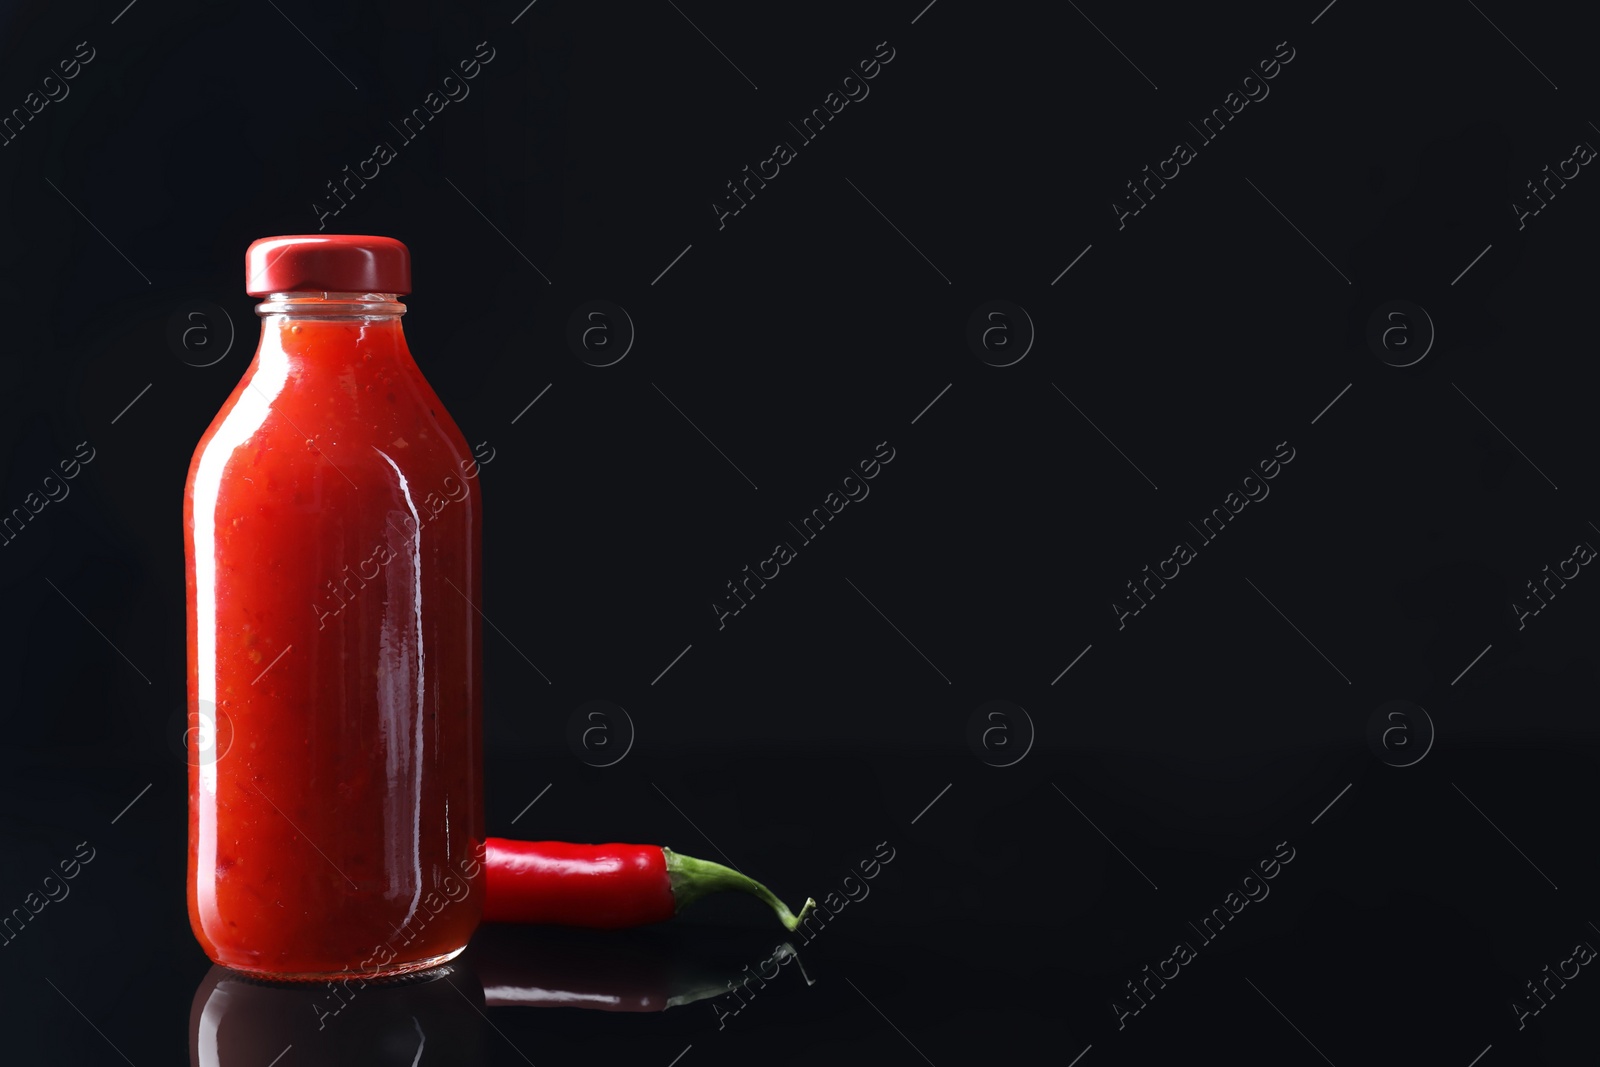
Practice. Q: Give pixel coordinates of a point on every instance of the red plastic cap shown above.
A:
(327, 262)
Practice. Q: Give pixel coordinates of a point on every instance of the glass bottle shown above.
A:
(333, 531)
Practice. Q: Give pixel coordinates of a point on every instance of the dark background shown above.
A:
(1176, 752)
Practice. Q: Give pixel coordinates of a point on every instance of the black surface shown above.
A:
(1230, 715)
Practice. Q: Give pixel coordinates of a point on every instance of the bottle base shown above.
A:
(393, 970)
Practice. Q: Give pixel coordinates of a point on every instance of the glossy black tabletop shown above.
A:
(1212, 645)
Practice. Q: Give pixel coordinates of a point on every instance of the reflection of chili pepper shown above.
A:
(615, 971)
(606, 886)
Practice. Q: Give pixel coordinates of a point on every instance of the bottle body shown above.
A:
(333, 529)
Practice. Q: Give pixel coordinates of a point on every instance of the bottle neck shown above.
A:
(316, 334)
(349, 307)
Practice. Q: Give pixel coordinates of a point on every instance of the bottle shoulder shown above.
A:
(292, 426)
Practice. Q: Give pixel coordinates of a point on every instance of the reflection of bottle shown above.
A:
(408, 1022)
(333, 528)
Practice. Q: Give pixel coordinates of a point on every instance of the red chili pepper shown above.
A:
(606, 886)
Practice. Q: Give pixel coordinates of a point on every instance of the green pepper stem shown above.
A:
(692, 879)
